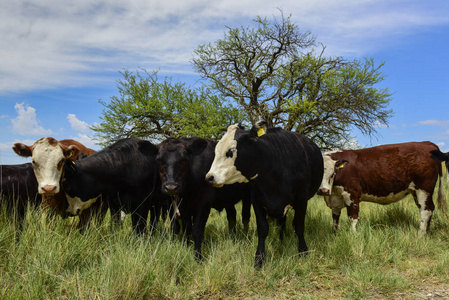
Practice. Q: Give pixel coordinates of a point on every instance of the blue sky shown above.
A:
(58, 58)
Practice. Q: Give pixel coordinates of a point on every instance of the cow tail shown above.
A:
(442, 204)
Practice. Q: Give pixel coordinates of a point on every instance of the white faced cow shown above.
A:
(382, 174)
(283, 168)
(48, 156)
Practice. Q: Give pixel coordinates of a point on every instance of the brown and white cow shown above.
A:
(383, 174)
(48, 156)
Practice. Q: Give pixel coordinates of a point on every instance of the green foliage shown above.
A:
(152, 109)
(275, 72)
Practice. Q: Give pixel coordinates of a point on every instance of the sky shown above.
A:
(58, 58)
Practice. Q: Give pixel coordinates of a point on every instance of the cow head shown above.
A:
(233, 153)
(78, 197)
(47, 157)
(330, 170)
(174, 160)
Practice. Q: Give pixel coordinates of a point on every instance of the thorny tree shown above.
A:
(275, 72)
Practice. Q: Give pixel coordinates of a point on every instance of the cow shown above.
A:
(18, 190)
(183, 164)
(284, 170)
(47, 157)
(125, 172)
(383, 174)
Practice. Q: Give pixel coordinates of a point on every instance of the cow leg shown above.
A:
(352, 200)
(426, 206)
(199, 225)
(231, 215)
(174, 220)
(155, 212)
(281, 222)
(187, 226)
(84, 219)
(299, 224)
(336, 212)
(246, 214)
(115, 208)
(262, 233)
(139, 221)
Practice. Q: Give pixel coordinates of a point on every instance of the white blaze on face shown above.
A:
(223, 170)
(76, 206)
(47, 162)
(328, 175)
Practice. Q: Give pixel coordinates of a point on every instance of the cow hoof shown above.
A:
(258, 261)
(198, 257)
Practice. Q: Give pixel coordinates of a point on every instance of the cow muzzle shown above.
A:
(77, 212)
(324, 192)
(210, 179)
(48, 190)
(171, 188)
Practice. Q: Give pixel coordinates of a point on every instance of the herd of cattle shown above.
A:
(269, 168)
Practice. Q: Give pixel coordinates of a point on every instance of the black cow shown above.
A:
(183, 163)
(19, 189)
(284, 170)
(125, 172)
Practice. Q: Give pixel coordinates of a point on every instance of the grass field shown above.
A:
(385, 258)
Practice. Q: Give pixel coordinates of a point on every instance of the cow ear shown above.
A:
(341, 164)
(22, 149)
(197, 146)
(71, 152)
(147, 147)
(69, 168)
(259, 129)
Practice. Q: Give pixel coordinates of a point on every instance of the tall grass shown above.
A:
(385, 258)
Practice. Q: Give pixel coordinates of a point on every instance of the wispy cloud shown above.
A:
(55, 44)
(26, 122)
(76, 124)
(439, 123)
(86, 141)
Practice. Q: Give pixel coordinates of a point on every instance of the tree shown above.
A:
(152, 109)
(274, 73)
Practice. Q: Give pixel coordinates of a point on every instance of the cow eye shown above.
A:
(230, 153)
(35, 164)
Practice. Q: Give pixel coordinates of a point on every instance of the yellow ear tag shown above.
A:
(260, 132)
(71, 153)
(340, 166)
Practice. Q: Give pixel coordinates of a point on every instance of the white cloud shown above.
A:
(76, 124)
(434, 123)
(26, 122)
(86, 141)
(53, 43)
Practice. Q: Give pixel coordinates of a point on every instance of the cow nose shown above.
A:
(323, 192)
(49, 189)
(170, 188)
(210, 179)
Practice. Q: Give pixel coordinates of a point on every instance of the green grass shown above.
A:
(385, 258)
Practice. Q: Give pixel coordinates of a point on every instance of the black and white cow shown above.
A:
(283, 168)
(18, 190)
(125, 172)
(183, 163)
